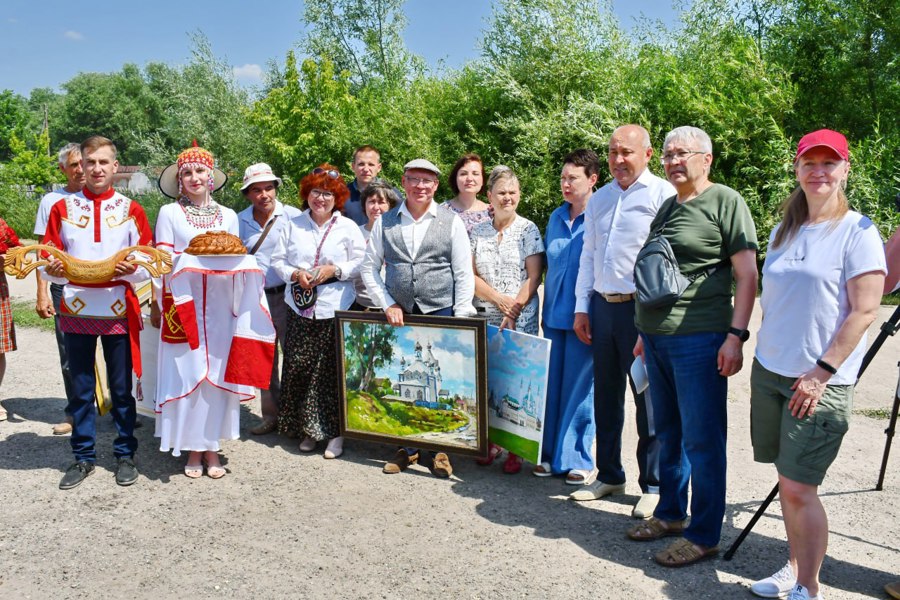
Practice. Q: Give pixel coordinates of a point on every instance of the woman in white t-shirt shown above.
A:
(822, 283)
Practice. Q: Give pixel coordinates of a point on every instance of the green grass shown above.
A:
(527, 449)
(24, 316)
(368, 413)
(881, 414)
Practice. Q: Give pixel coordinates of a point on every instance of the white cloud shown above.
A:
(248, 71)
(75, 36)
(12, 20)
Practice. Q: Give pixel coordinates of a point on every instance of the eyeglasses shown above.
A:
(416, 181)
(682, 156)
(321, 194)
(330, 172)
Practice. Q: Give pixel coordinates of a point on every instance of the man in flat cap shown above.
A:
(428, 269)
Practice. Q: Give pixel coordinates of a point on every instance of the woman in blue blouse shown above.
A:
(569, 417)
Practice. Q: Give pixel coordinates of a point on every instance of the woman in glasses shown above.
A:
(508, 257)
(196, 423)
(318, 256)
(822, 284)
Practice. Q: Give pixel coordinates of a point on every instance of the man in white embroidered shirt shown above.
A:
(428, 269)
(617, 222)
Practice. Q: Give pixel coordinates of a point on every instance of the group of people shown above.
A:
(366, 246)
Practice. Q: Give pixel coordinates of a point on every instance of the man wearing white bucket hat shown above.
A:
(616, 224)
(260, 226)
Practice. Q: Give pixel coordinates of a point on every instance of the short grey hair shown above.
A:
(500, 173)
(690, 135)
(67, 151)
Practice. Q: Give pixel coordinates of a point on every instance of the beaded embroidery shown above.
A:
(201, 217)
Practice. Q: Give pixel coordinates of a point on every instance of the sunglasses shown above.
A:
(330, 172)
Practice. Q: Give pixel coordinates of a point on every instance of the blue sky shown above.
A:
(44, 44)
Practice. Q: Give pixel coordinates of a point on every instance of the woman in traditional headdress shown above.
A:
(197, 423)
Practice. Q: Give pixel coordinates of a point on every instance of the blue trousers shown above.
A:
(81, 349)
(613, 336)
(56, 292)
(690, 403)
(569, 416)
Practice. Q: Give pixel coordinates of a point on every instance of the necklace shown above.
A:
(201, 217)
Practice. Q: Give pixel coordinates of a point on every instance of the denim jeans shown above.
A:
(81, 349)
(613, 335)
(56, 292)
(690, 405)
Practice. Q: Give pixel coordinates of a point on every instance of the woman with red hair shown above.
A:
(318, 256)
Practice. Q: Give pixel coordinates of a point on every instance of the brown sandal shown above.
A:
(684, 552)
(654, 529)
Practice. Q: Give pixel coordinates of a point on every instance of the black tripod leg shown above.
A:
(889, 432)
(759, 512)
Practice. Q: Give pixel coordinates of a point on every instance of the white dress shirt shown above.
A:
(413, 232)
(296, 249)
(250, 231)
(616, 225)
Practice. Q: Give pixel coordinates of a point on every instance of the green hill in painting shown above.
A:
(368, 413)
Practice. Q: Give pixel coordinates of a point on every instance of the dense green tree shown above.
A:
(14, 117)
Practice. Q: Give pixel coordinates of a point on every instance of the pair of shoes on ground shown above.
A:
(213, 471)
(334, 448)
(267, 426)
(440, 465)
(126, 473)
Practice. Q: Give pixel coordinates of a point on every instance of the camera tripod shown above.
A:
(888, 328)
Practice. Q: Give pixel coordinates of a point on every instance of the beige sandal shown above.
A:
(684, 552)
(654, 529)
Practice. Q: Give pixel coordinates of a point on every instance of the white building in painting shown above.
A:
(420, 377)
(521, 412)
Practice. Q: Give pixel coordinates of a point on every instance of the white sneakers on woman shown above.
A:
(778, 585)
(801, 593)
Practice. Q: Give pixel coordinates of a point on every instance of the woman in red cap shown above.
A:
(190, 181)
(822, 282)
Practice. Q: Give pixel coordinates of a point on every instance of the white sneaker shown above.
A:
(596, 490)
(335, 447)
(798, 592)
(778, 585)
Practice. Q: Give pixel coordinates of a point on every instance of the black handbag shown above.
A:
(657, 278)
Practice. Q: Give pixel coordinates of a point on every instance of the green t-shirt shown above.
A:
(703, 232)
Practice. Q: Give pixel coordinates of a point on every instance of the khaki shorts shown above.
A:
(802, 449)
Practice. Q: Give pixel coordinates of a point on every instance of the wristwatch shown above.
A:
(337, 271)
(741, 334)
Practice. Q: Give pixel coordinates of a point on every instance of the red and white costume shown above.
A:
(196, 404)
(95, 227)
(228, 352)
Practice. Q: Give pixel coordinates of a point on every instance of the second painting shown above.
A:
(421, 385)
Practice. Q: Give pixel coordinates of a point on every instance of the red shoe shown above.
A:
(513, 464)
(493, 452)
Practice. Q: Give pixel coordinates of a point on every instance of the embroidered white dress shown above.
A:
(199, 419)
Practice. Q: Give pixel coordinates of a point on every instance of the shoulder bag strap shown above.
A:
(263, 236)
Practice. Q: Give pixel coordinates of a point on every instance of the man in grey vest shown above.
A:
(428, 269)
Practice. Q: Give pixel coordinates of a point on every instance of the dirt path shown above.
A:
(286, 525)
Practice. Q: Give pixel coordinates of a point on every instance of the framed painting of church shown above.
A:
(422, 385)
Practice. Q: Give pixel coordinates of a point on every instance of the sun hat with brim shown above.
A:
(823, 137)
(195, 155)
(258, 172)
(421, 163)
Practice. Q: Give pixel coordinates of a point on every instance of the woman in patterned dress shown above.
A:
(8, 239)
(321, 251)
(198, 422)
(467, 181)
(508, 256)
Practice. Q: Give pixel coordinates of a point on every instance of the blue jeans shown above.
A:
(613, 335)
(569, 416)
(56, 292)
(81, 349)
(690, 404)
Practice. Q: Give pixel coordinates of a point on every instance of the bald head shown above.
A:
(629, 154)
